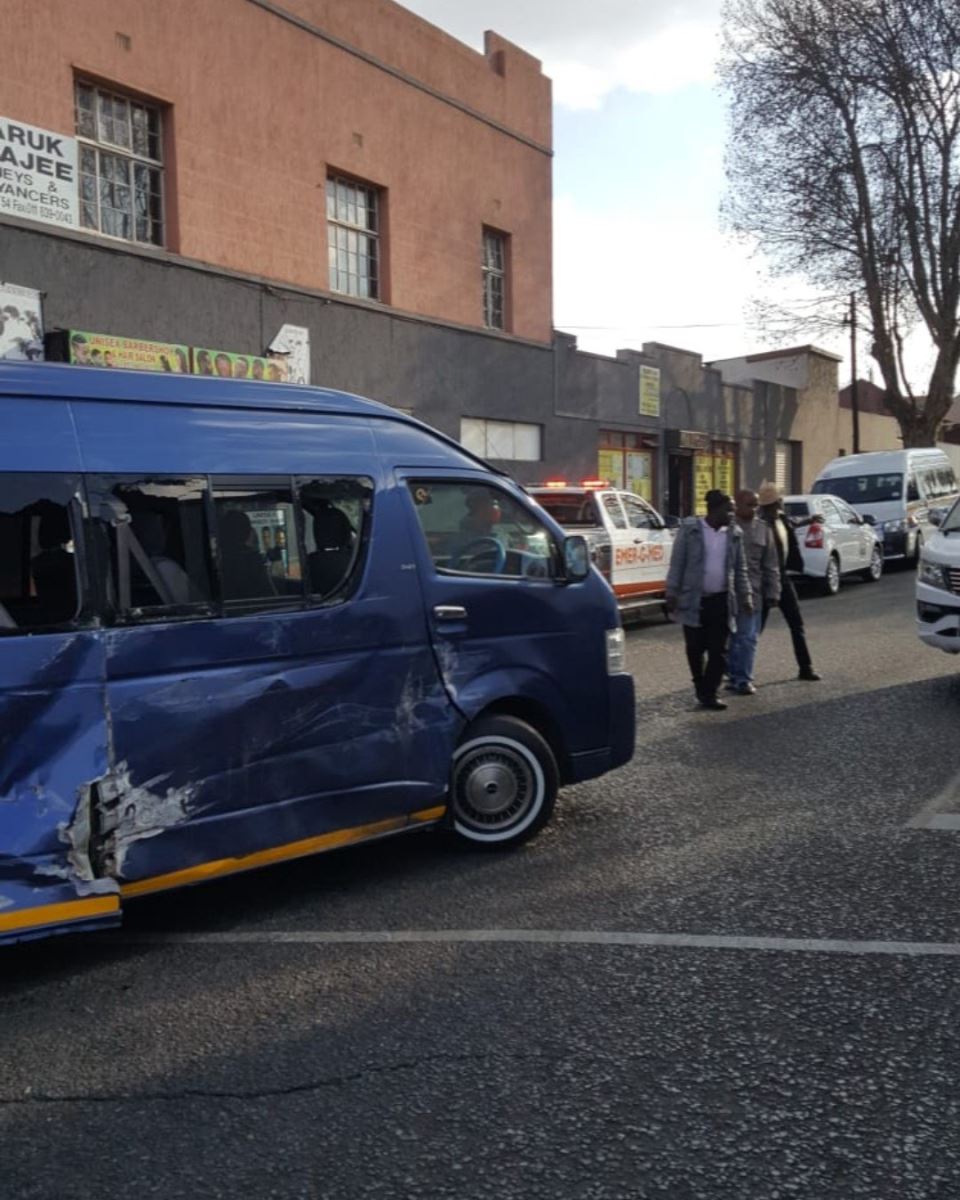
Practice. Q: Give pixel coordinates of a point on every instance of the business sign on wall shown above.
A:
(133, 354)
(292, 343)
(228, 365)
(649, 405)
(38, 174)
(21, 323)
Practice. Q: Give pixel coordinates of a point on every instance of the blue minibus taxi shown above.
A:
(242, 623)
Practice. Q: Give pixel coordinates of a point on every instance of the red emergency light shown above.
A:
(555, 483)
(594, 483)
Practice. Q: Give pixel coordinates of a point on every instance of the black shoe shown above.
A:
(713, 702)
(809, 674)
(729, 687)
(745, 689)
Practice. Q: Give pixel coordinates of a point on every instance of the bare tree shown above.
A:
(844, 164)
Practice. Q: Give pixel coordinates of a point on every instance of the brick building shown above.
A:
(343, 169)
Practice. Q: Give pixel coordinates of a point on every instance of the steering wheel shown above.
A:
(477, 552)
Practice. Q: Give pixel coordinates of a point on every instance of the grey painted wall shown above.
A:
(440, 372)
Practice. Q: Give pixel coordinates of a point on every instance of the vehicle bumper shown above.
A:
(814, 562)
(938, 618)
(623, 732)
(899, 544)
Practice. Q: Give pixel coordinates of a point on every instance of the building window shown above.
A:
(353, 238)
(121, 165)
(510, 441)
(494, 279)
(784, 465)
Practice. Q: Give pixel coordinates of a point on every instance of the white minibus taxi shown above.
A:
(896, 491)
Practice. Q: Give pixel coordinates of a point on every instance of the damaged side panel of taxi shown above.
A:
(54, 742)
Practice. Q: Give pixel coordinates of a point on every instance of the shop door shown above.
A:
(680, 485)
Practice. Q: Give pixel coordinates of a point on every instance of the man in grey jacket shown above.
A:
(763, 567)
(707, 586)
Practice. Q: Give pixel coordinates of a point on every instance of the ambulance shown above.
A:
(629, 541)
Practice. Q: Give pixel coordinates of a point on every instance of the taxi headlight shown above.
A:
(616, 652)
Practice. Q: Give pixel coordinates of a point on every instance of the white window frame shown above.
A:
(494, 271)
(99, 148)
(349, 237)
(488, 438)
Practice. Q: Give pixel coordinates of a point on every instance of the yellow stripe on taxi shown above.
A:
(277, 854)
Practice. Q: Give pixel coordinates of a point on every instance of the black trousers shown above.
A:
(708, 640)
(790, 607)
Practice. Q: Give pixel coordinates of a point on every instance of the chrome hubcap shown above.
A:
(493, 787)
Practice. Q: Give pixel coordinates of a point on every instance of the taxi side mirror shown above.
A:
(576, 558)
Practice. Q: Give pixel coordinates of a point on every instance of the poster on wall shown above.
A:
(38, 174)
(292, 344)
(723, 472)
(610, 467)
(133, 354)
(649, 391)
(21, 323)
(227, 365)
(702, 482)
(639, 472)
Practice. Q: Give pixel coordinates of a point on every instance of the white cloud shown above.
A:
(621, 280)
(667, 61)
(589, 50)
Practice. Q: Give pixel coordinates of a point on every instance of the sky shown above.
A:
(639, 130)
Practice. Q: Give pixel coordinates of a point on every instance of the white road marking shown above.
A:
(943, 811)
(550, 937)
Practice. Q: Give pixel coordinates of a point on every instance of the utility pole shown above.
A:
(854, 394)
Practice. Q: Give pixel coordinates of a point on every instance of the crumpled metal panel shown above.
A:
(53, 739)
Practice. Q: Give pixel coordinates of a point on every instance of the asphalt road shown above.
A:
(744, 984)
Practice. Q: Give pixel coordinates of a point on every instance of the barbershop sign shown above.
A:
(38, 174)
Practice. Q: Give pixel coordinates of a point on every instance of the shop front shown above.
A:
(628, 461)
(696, 463)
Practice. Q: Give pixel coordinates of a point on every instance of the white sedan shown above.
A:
(840, 543)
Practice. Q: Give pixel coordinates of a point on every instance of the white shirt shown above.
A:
(714, 558)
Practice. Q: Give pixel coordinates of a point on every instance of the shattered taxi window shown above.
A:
(39, 579)
(157, 543)
(336, 516)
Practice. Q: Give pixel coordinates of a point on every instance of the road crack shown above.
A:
(245, 1094)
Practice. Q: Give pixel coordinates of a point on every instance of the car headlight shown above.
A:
(616, 651)
(932, 575)
(894, 526)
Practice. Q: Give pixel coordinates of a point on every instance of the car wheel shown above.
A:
(831, 581)
(875, 570)
(503, 785)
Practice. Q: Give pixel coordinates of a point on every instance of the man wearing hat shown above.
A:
(707, 586)
(789, 559)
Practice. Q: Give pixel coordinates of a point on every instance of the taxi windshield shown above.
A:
(863, 489)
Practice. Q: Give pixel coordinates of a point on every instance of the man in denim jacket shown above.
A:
(763, 567)
(707, 586)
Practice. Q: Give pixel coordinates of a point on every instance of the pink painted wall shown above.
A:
(260, 110)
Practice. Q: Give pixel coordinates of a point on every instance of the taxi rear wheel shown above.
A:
(503, 785)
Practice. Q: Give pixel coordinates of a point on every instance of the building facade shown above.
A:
(186, 183)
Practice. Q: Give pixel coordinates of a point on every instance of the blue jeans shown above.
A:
(743, 648)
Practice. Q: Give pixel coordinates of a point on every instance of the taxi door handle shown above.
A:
(449, 612)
